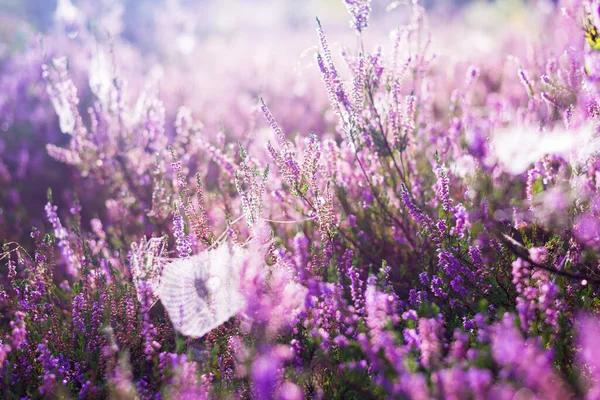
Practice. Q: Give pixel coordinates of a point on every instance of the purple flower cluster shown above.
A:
(430, 229)
(359, 10)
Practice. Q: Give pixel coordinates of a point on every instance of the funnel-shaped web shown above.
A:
(201, 292)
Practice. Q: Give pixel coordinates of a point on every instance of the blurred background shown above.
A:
(148, 23)
(217, 57)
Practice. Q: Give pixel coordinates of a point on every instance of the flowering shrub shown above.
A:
(417, 224)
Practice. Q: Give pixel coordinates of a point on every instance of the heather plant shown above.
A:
(426, 227)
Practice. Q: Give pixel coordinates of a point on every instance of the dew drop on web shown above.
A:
(72, 32)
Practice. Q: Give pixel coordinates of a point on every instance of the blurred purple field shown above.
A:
(319, 199)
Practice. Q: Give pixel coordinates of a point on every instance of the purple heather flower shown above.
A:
(430, 333)
(359, 10)
(290, 391)
(266, 373)
(442, 187)
(437, 287)
(19, 329)
(424, 278)
(50, 365)
(462, 225)
(525, 81)
(78, 319)
(423, 220)
(63, 239)
(183, 243)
